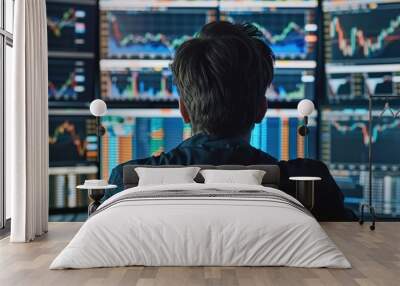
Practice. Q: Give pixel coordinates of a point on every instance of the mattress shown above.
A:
(201, 225)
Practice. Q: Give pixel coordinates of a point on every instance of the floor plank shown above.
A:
(375, 257)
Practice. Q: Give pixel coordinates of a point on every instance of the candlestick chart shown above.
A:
(349, 140)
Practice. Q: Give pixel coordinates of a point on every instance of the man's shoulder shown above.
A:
(304, 164)
(161, 159)
(145, 161)
(261, 157)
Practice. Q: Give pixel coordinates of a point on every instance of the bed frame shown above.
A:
(270, 179)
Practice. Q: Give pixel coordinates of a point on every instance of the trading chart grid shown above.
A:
(73, 145)
(362, 40)
(71, 43)
(344, 146)
(361, 50)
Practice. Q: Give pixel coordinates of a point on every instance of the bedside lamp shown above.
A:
(98, 108)
(305, 108)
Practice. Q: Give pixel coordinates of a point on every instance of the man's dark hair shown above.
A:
(222, 76)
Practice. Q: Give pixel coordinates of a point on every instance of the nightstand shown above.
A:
(96, 193)
(305, 190)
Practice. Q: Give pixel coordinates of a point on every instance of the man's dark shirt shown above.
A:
(211, 150)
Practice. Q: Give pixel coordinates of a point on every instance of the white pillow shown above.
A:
(248, 177)
(166, 176)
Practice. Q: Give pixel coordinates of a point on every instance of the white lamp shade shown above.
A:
(98, 107)
(305, 107)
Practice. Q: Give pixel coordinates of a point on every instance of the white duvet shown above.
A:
(203, 231)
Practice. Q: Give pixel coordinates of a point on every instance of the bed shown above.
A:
(197, 224)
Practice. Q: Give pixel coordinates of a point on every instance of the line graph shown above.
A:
(349, 140)
(72, 140)
(66, 90)
(67, 20)
(70, 28)
(152, 34)
(364, 35)
(289, 32)
(291, 85)
(68, 129)
(290, 40)
(148, 40)
(70, 80)
(358, 39)
(144, 84)
(377, 130)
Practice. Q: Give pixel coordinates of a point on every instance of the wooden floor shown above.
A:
(375, 257)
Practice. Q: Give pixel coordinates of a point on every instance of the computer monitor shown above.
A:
(72, 140)
(71, 27)
(71, 81)
(361, 50)
(146, 30)
(291, 32)
(141, 83)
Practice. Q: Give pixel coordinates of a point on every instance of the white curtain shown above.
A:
(27, 124)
